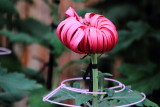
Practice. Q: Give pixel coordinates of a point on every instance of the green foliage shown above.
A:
(52, 40)
(32, 27)
(64, 94)
(18, 37)
(125, 97)
(7, 61)
(7, 98)
(47, 40)
(138, 44)
(54, 14)
(14, 86)
(149, 103)
(35, 99)
(110, 100)
(82, 99)
(7, 6)
(137, 76)
(8, 82)
(30, 31)
(110, 103)
(126, 37)
(82, 12)
(102, 75)
(32, 74)
(76, 85)
(79, 1)
(119, 12)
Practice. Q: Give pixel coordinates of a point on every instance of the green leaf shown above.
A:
(55, 13)
(149, 103)
(51, 39)
(101, 80)
(83, 98)
(126, 37)
(16, 82)
(32, 74)
(124, 97)
(125, 40)
(35, 98)
(7, 61)
(137, 75)
(64, 94)
(121, 12)
(3, 71)
(82, 12)
(104, 104)
(7, 6)
(110, 103)
(76, 85)
(7, 98)
(32, 27)
(105, 75)
(48, 39)
(109, 92)
(3, 22)
(146, 67)
(155, 34)
(79, 1)
(14, 86)
(151, 84)
(18, 37)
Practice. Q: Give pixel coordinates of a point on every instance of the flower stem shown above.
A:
(95, 79)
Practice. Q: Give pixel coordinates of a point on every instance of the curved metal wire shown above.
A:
(86, 91)
(4, 51)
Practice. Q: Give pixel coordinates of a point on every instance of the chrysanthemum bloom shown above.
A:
(92, 34)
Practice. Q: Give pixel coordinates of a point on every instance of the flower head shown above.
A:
(92, 34)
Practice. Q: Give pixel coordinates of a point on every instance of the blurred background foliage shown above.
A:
(138, 48)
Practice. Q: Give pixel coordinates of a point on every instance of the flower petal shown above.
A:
(92, 37)
(76, 40)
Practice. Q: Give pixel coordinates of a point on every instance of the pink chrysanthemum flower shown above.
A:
(92, 34)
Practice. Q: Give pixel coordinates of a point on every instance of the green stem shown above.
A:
(101, 84)
(95, 79)
(55, 81)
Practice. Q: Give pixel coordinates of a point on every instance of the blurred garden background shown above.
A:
(39, 62)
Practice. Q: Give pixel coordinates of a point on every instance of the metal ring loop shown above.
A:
(4, 51)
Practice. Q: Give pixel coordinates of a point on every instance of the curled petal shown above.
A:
(93, 20)
(71, 13)
(99, 41)
(59, 28)
(71, 32)
(76, 40)
(92, 38)
(86, 41)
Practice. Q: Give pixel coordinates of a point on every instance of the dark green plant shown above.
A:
(14, 86)
(138, 46)
(35, 100)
